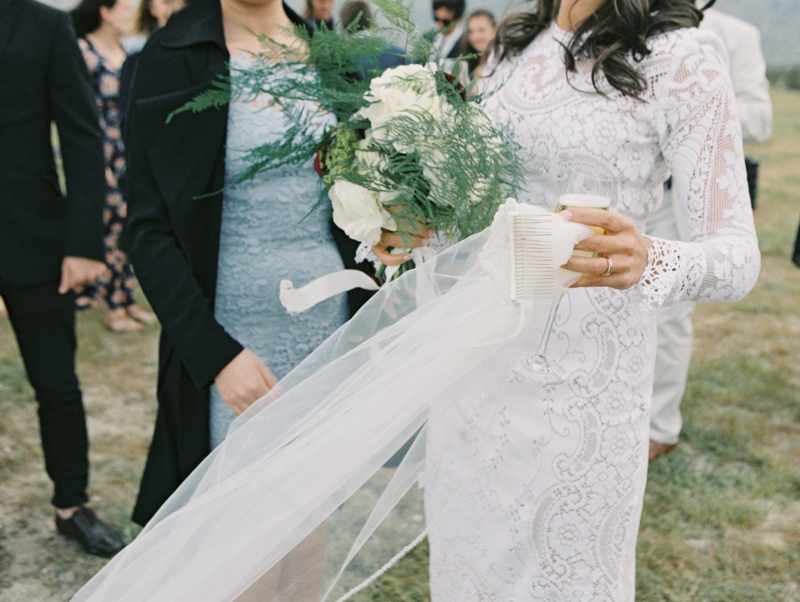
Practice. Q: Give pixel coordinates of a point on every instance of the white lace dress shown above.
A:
(539, 498)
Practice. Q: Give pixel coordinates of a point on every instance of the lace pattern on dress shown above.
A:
(538, 497)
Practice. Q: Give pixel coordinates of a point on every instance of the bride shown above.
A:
(530, 492)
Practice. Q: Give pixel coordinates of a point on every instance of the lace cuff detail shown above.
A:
(364, 253)
(667, 279)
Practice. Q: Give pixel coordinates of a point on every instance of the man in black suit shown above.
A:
(447, 38)
(50, 245)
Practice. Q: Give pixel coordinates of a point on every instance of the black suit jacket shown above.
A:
(43, 78)
(456, 51)
(175, 174)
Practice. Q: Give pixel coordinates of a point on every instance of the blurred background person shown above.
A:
(355, 17)
(449, 31)
(51, 243)
(748, 68)
(100, 25)
(749, 74)
(318, 12)
(481, 28)
(150, 15)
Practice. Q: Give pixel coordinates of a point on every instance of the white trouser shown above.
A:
(674, 337)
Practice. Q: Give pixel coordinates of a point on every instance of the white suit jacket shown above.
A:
(748, 69)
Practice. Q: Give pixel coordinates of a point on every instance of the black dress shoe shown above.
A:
(96, 536)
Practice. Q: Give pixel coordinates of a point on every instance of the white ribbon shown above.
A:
(301, 299)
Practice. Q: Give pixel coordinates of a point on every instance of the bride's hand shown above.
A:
(243, 381)
(407, 235)
(621, 248)
(395, 241)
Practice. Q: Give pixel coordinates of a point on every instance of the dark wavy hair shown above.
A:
(86, 16)
(617, 31)
(355, 9)
(457, 7)
(145, 21)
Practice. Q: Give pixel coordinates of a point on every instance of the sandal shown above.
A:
(657, 449)
(140, 315)
(118, 321)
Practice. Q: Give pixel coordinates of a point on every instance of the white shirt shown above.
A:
(748, 68)
(444, 45)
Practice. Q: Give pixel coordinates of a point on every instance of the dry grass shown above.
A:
(722, 514)
(117, 373)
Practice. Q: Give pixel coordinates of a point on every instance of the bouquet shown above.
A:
(410, 150)
(419, 152)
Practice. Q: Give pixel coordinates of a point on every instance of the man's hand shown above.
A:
(243, 381)
(77, 271)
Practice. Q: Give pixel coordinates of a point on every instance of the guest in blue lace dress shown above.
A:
(209, 261)
(255, 253)
(100, 24)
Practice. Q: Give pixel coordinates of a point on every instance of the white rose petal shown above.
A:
(356, 211)
(368, 156)
(406, 90)
(386, 197)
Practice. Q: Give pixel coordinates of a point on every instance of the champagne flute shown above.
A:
(581, 190)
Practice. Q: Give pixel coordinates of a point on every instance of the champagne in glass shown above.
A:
(585, 192)
(583, 201)
(581, 190)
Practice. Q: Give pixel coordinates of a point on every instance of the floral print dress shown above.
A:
(115, 287)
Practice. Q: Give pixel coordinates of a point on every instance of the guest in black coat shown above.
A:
(50, 245)
(176, 174)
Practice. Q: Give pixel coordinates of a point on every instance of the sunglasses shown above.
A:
(444, 22)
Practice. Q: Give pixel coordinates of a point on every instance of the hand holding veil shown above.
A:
(297, 498)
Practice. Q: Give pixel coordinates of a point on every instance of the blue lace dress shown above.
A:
(264, 239)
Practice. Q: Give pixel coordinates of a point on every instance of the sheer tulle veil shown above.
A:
(317, 487)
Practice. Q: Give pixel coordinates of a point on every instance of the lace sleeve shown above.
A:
(700, 137)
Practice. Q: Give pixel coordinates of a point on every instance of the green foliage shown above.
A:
(450, 171)
(214, 98)
(786, 77)
(340, 154)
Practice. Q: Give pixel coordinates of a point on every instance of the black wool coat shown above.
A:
(43, 78)
(175, 177)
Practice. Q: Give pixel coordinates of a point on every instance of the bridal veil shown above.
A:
(306, 498)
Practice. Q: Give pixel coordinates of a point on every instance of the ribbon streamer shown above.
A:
(297, 300)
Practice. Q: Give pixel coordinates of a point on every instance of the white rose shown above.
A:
(436, 171)
(368, 156)
(385, 198)
(356, 211)
(408, 90)
(485, 123)
(480, 190)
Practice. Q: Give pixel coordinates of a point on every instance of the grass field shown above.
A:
(721, 519)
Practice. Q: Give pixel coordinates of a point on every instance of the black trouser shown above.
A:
(44, 324)
(751, 165)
